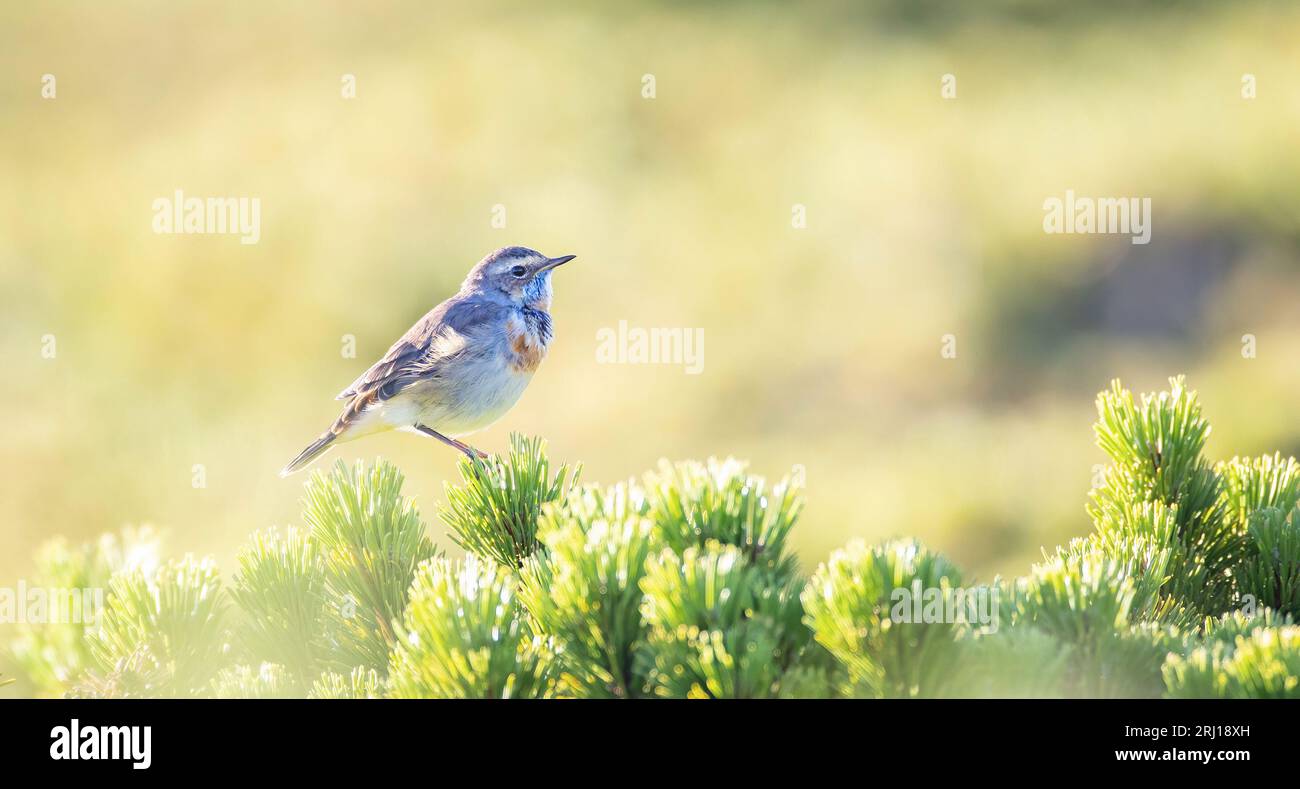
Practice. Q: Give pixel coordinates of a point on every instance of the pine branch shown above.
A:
(692, 503)
(372, 540)
(1155, 446)
(1079, 597)
(1141, 538)
(1159, 441)
(493, 514)
(584, 589)
(1228, 627)
(1269, 576)
(139, 675)
(462, 637)
(264, 681)
(848, 604)
(683, 585)
(54, 656)
(361, 683)
(718, 627)
(172, 618)
(1013, 662)
(1091, 603)
(1253, 484)
(281, 589)
(1262, 665)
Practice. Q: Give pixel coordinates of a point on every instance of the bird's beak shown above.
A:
(553, 262)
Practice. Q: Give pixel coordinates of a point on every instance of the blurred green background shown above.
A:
(822, 345)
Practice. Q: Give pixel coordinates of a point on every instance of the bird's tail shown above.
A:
(315, 450)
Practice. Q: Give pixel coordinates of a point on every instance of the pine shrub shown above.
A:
(692, 503)
(54, 657)
(494, 512)
(1262, 665)
(682, 584)
(584, 590)
(360, 683)
(281, 592)
(1269, 573)
(463, 636)
(849, 604)
(719, 626)
(165, 626)
(371, 541)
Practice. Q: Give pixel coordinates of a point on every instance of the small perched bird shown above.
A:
(462, 366)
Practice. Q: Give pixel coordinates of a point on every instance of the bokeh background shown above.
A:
(822, 344)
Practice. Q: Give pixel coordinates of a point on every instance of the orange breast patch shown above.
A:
(527, 350)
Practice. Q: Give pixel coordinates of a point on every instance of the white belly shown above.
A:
(481, 395)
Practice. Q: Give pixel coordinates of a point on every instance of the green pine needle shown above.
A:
(848, 604)
(584, 590)
(1262, 665)
(281, 589)
(372, 541)
(463, 637)
(718, 626)
(174, 614)
(683, 585)
(360, 683)
(493, 513)
(692, 503)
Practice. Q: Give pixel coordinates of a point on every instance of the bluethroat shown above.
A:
(462, 366)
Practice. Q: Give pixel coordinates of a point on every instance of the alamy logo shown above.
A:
(129, 743)
(229, 215)
(977, 606)
(38, 605)
(1102, 215)
(636, 345)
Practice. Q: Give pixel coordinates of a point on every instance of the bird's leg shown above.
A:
(473, 453)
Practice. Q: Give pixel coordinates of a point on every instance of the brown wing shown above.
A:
(409, 349)
(412, 357)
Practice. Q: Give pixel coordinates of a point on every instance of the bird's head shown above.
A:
(521, 275)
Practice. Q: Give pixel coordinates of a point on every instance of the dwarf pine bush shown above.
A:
(371, 541)
(693, 503)
(1013, 662)
(719, 625)
(494, 513)
(1155, 447)
(265, 681)
(55, 656)
(850, 607)
(170, 621)
(682, 584)
(1269, 572)
(1262, 665)
(360, 683)
(585, 590)
(463, 636)
(280, 589)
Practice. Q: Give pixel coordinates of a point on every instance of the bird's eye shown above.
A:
(518, 271)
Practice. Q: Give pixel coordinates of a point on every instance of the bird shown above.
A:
(459, 368)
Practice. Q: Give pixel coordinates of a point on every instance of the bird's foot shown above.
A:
(470, 452)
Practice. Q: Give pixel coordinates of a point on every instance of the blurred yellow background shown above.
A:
(822, 344)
